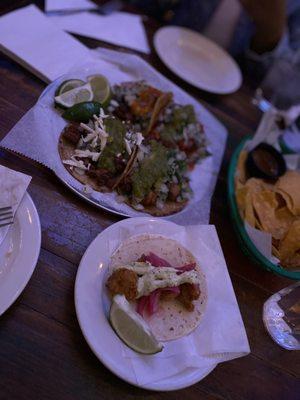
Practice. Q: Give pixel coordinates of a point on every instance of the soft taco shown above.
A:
(108, 154)
(99, 154)
(163, 281)
(139, 103)
(157, 116)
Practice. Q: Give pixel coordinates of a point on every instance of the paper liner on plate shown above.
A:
(36, 134)
(220, 335)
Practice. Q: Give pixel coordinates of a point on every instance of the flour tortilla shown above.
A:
(172, 321)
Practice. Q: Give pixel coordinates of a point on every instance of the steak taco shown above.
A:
(162, 281)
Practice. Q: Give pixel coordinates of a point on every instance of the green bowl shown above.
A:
(247, 245)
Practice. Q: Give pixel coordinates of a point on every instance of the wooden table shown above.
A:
(43, 354)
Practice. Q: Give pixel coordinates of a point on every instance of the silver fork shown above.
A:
(6, 216)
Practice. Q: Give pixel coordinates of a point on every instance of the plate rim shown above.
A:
(155, 386)
(28, 273)
(163, 29)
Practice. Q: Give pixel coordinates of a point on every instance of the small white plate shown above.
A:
(197, 60)
(92, 308)
(19, 252)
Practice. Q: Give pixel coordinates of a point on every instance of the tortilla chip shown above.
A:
(241, 199)
(289, 187)
(274, 220)
(289, 247)
(275, 252)
(252, 186)
(241, 175)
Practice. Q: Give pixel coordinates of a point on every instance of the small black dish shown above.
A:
(265, 162)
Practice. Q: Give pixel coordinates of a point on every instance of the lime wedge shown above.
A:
(82, 112)
(74, 96)
(67, 85)
(132, 328)
(100, 88)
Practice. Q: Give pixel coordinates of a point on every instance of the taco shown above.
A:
(107, 154)
(158, 182)
(100, 153)
(138, 103)
(163, 281)
(177, 127)
(157, 116)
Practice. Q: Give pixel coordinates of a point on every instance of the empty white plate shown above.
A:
(19, 252)
(197, 60)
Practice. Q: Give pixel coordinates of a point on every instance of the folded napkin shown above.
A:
(120, 28)
(28, 36)
(13, 185)
(55, 5)
(221, 334)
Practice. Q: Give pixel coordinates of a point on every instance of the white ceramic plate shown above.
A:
(92, 308)
(19, 252)
(197, 60)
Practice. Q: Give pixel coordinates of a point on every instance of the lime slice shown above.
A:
(132, 328)
(67, 85)
(100, 88)
(74, 96)
(82, 112)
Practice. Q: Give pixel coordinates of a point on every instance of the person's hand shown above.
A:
(269, 17)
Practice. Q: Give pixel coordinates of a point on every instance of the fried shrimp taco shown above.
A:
(162, 281)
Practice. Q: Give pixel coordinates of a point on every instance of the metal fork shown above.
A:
(6, 216)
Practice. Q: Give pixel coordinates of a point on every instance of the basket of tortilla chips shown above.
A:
(266, 209)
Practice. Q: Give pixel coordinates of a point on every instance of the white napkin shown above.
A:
(29, 37)
(55, 5)
(13, 185)
(221, 334)
(120, 28)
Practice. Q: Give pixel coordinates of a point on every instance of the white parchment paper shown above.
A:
(221, 334)
(36, 134)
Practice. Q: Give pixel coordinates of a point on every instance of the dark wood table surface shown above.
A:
(43, 354)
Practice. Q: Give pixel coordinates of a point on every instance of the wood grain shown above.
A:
(43, 354)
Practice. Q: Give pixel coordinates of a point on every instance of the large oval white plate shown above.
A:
(19, 252)
(197, 60)
(92, 308)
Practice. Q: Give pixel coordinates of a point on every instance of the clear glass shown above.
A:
(281, 85)
(281, 316)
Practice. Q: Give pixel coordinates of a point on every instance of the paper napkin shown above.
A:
(119, 28)
(55, 5)
(29, 37)
(221, 335)
(13, 185)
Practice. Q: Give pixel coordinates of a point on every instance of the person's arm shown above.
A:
(269, 18)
